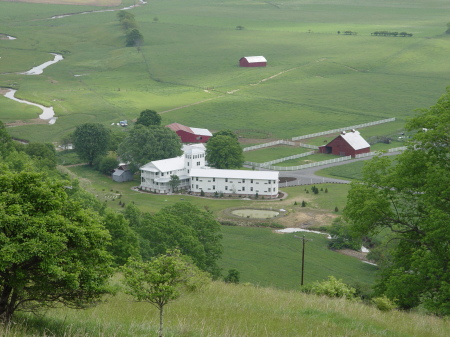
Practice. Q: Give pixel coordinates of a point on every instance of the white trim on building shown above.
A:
(195, 176)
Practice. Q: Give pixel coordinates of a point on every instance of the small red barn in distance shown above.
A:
(190, 135)
(346, 144)
(253, 61)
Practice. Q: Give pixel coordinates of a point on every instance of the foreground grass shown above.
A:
(223, 310)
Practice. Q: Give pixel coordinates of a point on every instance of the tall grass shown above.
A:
(223, 310)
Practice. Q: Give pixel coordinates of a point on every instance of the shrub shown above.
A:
(332, 288)
(232, 277)
(384, 304)
(303, 203)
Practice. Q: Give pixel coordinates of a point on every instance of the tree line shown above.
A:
(394, 34)
(133, 37)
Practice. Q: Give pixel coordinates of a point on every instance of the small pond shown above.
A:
(255, 213)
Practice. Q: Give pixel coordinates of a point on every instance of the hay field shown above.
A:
(73, 2)
(187, 69)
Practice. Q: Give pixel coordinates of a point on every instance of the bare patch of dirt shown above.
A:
(353, 253)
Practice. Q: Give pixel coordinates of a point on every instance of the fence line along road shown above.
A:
(374, 153)
(300, 167)
(312, 135)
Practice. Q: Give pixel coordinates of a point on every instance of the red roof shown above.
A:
(175, 127)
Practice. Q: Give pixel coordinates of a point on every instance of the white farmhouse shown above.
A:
(240, 182)
(155, 176)
(195, 176)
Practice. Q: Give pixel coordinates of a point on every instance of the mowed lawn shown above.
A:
(187, 68)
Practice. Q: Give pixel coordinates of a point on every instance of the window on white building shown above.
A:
(243, 180)
(251, 189)
(214, 179)
(226, 180)
(214, 187)
(251, 181)
(243, 188)
(269, 189)
(226, 188)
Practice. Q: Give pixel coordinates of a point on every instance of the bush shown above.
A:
(332, 288)
(384, 304)
(232, 277)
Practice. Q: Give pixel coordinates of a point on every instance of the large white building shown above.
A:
(199, 179)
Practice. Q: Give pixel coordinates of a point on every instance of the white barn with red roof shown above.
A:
(189, 134)
(346, 144)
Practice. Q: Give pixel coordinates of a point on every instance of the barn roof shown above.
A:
(255, 59)
(354, 139)
(196, 131)
(201, 132)
(236, 174)
(176, 127)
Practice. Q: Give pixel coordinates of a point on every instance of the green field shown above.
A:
(226, 310)
(316, 79)
(266, 259)
(274, 152)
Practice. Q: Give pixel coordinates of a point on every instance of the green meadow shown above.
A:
(187, 68)
(226, 310)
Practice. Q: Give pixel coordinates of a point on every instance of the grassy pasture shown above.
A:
(274, 152)
(266, 258)
(225, 310)
(187, 68)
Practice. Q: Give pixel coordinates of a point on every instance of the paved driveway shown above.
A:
(308, 176)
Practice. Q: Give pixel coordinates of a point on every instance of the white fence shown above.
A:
(374, 153)
(259, 146)
(302, 167)
(344, 129)
(308, 146)
(276, 161)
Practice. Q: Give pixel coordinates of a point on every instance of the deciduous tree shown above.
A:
(91, 140)
(149, 117)
(51, 249)
(174, 182)
(146, 143)
(163, 280)
(224, 152)
(410, 199)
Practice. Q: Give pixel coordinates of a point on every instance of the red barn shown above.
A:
(346, 144)
(253, 61)
(190, 135)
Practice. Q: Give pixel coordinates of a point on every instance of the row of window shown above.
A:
(195, 156)
(239, 181)
(241, 190)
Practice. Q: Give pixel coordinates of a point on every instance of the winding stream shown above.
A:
(48, 112)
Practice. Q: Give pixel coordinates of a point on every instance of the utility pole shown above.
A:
(303, 255)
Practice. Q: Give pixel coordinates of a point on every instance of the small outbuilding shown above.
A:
(190, 135)
(346, 144)
(253, 61)
(122, 173)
